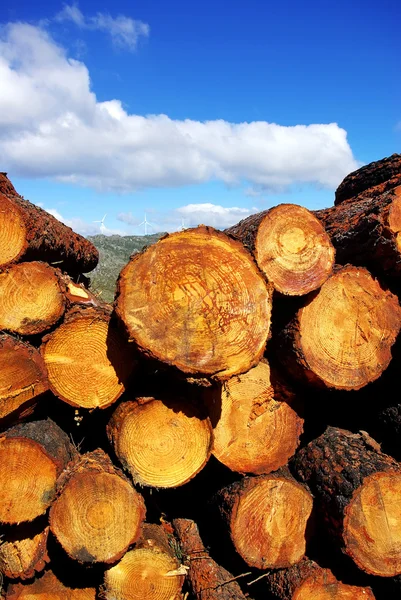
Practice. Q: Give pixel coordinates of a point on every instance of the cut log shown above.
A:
(28, 232)
(32, 456)
(161, 443)
(150, 571)
(366, 231)
(372, 179)
(87, 358)
(22, 555)
(342, 337)
(97, 514)
(307, 581)
(290, 246)
(256, 428)
(267, 517)
(23, 374)
(32, 298)
(358, 488)
(207, 579)
(196, 300)
(48, 587)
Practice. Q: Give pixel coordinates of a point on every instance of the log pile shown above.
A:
(227, 429)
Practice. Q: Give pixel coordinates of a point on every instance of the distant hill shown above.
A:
(114, 253)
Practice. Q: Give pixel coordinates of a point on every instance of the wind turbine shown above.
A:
(182, 225)
(146, 223)
(102, 226)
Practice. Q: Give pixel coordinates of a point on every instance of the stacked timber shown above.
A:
(208, 436)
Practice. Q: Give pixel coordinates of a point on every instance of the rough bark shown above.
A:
(207, 579)
(32, 456)
(160, 443)
(366, 231)
(30, 233)
(196, 300)
(372, 179)
(290, 246)
(342, 336)
(150, 570)
(267, 517)
(23, 374)
(358, 489)
(48, 587)
(87, 358)
(256, 426)
(307, 580)
(98, 514)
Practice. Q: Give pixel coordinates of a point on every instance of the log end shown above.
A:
(322, 585)
(12, 232)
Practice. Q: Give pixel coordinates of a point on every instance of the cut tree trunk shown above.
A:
(48, 587)
(207, 579)
(22, 555)
(372, 179)
(28, 232)
(342, 337)
(306, 581)
(196, 300)
(151, 570)
(290, 246)
(161, 443)
(366, 231)
(32, 456)
(267, 517)
(98, 514)
(87, 358)
(256, 427)
(358, 488)
(23, 374)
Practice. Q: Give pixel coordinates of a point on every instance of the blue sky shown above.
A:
(193, 111)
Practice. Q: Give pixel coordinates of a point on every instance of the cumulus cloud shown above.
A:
(124, 31)
(52, 125)
(212, 214)
(81, 226)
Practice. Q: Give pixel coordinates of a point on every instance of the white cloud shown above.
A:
(51, 125)
(124, 31)
(83, 227)
(212, 214)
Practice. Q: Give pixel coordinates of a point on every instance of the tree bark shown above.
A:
(87, 358)
(30, 233)
(207, 579)
(98, 514)
(342, 337)
(161, 443)
(150, 570)
(48, 587)
(307, 580)
(358, 488)
(256, 426)
(267, 517)
(290, 246)
(23, 374)
(197, 301)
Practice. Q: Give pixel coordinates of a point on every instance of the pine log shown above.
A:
(32, 456)
(256, 427)
(366, 231)
(372, 179)
(267, 517)
(23, 374)
(98, 514)
(150, 571)
(196, 300)
(161, 443)
(358, 488)
(290, 246)
(307, 580)
(48, 587)
(342, 337)
(23, 554)
(87, 358)
(28, 232)
(207, 579)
